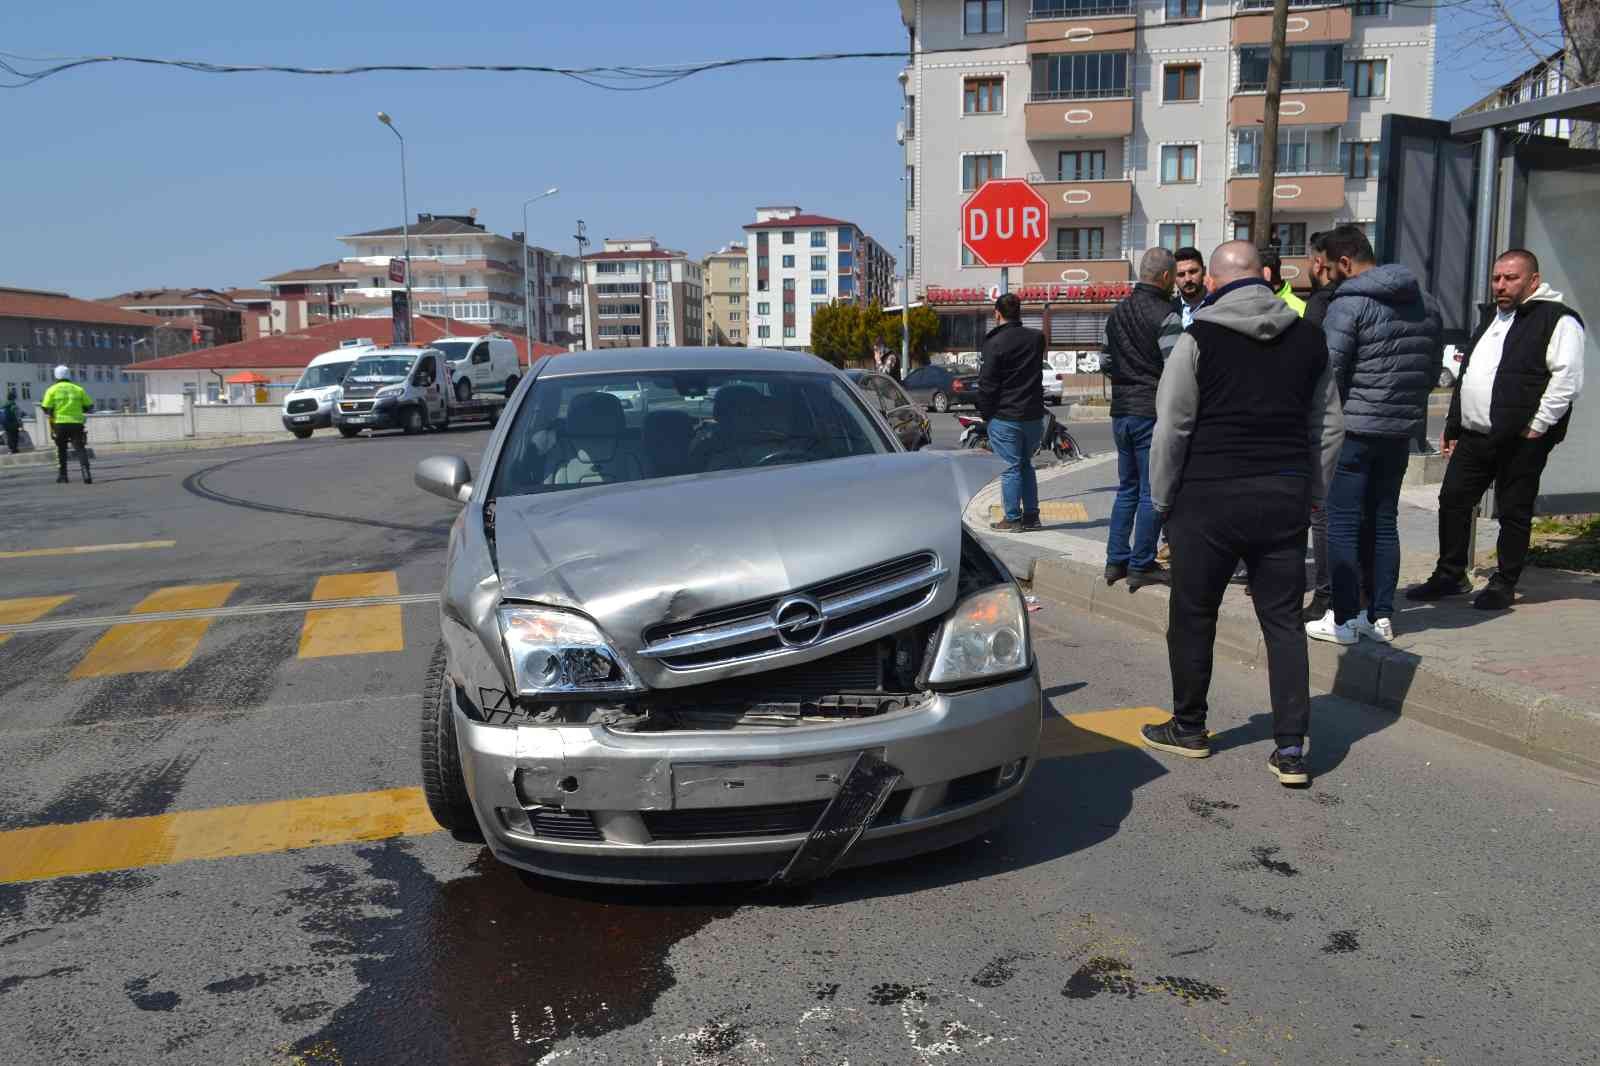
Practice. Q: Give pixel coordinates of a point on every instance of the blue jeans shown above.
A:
(1015, 442)
(1363, 523)
(1133, 514)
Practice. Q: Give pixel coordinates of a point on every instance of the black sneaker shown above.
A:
(1496, 596)
(1165, 736)
(1156, 575)
(1318, 607)
(87, 480)
(61, 479)
(1031, 523)
(1438, 587)
(1289, 768)
(1006, 525)
(1116, 572)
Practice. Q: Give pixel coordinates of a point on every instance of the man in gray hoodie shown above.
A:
(1248, 426)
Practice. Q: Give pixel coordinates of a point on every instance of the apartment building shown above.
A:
(798, 263)
(1139, 122)
(40, 330)
(725, 291)
(207, 316)
(641, 295)
(554, 298)
(307, 295)
(1558, 73)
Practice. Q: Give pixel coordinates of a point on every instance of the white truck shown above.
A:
(480, 365)
(311, 403)
(410, 388)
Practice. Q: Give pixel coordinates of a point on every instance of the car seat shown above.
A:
(665, 442)
(590, 449)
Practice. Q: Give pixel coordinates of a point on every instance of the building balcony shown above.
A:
(1076, 272)
(1050, 10)
(1049, 119)
(1300, 107)
(1308, 24)
(1080, 199)
(1290, 192)
(1105, 28)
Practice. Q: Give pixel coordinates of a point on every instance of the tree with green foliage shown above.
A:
(924, 332)
(833, 332)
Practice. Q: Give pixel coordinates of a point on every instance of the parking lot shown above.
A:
(213, 846)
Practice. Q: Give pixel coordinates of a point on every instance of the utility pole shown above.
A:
(582, 237)
(1267, 150)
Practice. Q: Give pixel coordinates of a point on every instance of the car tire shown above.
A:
(511, 385)
(443, 785)
(1447, 380)
(941, 402)
(301, 434)
(349, 431)
(463, 390)
(414, 422)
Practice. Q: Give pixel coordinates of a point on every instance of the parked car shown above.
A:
(481, 364)
(719, 639)
(910, 425)
(939, 388)
(310, 404)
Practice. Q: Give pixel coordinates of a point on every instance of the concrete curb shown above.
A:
(1549, 729)
(46, 457)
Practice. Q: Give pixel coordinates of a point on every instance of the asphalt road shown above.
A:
(1426, 901)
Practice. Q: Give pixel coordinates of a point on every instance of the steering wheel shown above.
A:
(783, 455)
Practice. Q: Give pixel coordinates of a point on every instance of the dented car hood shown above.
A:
(634, 555)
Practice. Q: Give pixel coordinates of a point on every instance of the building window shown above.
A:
(50, 335)
(788, 284)
(1360, 159)
(819, 262)
(847, 261)
(984, 16)
(1181, 83)
(1175, 235)
(967, 258)
(1180, 164)
(1080, 243)
(983, 96)
(788, 236)
(819, 286)
(911, 255)
(819, 238)
(788, 332)
(1307, 66)
(763, 332)
(787, 262)
(1367, 77)
(1080, 76)
(1183, 9)
(1370, 7)
(735, 299)
(1300, 151)
(815, 308)
(977, 169)
(1081, 165)
(911, 191)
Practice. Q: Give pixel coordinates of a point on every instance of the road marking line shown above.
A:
(1050, 511)
(78, 848)
(242, 610)
(142, 648)
(27, 609)
(89, 549)
(1093, 732)
(353, 630)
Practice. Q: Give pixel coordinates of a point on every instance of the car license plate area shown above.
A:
(752, 783)
(302, 418)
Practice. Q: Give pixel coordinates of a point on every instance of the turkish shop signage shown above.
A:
(1104, 292)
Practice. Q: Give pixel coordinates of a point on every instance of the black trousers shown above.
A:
(1213, 525)
(73, 434)
(13, 440)
(1513, 465)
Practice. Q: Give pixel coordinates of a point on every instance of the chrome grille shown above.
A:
(300, 407)
(845, 605)
(355, 405)
(553, 823)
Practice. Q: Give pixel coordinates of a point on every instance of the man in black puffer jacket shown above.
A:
(1134, 358)
(1383, 336)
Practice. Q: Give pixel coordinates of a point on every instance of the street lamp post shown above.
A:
(405, 216)
(527, 319)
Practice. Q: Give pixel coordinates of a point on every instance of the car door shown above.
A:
(909, 423)
(425, 379)
(919, 383)
(482, 364)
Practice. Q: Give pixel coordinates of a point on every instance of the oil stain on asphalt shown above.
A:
(468, 969)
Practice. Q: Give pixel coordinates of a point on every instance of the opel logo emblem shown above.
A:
(798, 620)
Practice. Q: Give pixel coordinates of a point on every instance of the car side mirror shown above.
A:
(447, 476)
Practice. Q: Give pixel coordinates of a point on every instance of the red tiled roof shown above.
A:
(321, 272)
(59, 307)
(208, 298)
(434, 227)
(289, 351)
(797, 222)
(240, 296)
(660, 253)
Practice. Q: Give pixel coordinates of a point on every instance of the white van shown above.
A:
(480, 364)
(310, 404)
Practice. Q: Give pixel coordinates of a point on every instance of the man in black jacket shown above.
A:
(1011, 401)
(1512, 403)
(1133, 362)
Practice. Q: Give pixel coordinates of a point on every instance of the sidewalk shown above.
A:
(25, 461)
(1525, 680)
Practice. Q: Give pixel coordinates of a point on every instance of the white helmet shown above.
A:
(62, 373)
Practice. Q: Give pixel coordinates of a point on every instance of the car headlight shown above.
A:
(389, 390)
(560, 653)
(986, 636)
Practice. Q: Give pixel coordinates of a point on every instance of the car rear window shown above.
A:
(600, 429)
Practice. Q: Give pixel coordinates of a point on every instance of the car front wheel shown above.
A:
(349, 431)
(413, 420)
(941, 402)
(443, 785)
(302, 434)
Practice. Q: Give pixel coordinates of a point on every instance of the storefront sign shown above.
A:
(1104, 292)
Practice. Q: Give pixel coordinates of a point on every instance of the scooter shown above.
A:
(1057, 438)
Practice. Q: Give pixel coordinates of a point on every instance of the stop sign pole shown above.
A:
(1003, 225)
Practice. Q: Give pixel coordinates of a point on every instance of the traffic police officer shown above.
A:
(68, 404)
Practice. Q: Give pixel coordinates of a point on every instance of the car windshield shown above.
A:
(601, 429)
(454, 351)
(381, 368)
(320, 377)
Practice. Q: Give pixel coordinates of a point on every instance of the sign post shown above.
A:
(1003, 225)
(397, 271)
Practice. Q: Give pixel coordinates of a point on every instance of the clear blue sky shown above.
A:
(121, 177)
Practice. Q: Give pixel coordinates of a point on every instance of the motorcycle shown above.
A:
(1057, 438)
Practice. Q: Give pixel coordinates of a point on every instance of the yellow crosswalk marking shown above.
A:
(183, 836)
(88, 549)
(353, 630)
(27, 609)
(145, 647)
(1091, 732)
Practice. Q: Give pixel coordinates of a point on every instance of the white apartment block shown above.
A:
(799, 263)
(641, 295)
(1138, 121)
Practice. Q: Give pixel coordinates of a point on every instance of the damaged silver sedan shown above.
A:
(704, 620)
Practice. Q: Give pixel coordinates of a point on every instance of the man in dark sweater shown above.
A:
(1247, 431)
(1134, 357)
(1011, 401)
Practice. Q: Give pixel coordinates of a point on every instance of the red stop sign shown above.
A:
(1003, 223)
